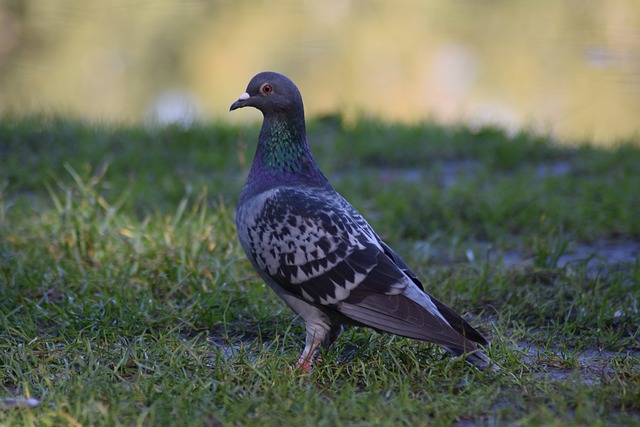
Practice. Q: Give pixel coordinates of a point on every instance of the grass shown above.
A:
(126, 299)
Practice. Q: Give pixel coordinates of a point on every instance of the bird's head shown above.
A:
(271, 92)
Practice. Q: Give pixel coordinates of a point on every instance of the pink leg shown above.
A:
(306, 358)
(313, 341)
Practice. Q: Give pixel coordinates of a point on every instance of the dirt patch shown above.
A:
(590, 367)
(606, 254)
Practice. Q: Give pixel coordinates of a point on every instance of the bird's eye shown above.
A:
(266, 89)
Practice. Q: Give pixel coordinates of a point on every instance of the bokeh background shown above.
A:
(570, 68)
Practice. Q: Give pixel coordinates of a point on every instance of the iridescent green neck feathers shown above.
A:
(282, 146)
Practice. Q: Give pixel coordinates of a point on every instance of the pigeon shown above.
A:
(318, 253)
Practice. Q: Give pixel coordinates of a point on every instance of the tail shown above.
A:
(477, 358)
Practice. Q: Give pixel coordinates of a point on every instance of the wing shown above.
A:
(453, 318)
(317, 246)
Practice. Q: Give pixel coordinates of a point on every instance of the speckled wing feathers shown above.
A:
(316, 245)
(312, 250)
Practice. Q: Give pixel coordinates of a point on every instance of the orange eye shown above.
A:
(266, 89)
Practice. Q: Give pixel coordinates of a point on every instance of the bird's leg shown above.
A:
(316, 334)
(330, 338)
(316, 337)
(334, 333)
(306, 358)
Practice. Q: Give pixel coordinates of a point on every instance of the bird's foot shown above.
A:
(304, 364)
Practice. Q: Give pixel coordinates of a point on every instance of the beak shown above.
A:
(241, 102)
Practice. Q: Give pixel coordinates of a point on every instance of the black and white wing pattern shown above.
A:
(316, 245)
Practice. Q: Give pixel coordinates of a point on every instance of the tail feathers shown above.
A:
(458, 323)
(477, 358)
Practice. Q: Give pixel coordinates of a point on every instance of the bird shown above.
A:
(318, 253)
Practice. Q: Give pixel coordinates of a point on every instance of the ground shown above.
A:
(126, 298)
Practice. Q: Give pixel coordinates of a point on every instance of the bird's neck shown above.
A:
(282, 145)
(283, 156)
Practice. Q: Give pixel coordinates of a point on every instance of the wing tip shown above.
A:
(477, 358)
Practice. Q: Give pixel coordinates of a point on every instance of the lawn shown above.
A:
(127, 300)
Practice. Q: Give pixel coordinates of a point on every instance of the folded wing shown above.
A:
(333, 258)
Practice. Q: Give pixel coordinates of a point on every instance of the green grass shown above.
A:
(126, 299)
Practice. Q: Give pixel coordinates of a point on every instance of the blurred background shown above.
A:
(570, 68)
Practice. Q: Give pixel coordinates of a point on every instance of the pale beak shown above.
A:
(241, 102)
